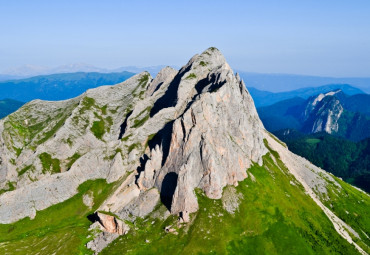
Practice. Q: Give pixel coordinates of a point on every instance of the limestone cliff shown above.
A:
(322, 113)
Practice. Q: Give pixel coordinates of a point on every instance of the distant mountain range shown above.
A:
(333, 112)
(4, 77)
(8, 106)
(27, 71)
(58, 86)
(262, 81)
(287, 82)
(34, 70)
(265, 98)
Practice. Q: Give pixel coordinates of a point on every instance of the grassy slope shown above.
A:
(354, 209)
(275, 217)
(62, 228)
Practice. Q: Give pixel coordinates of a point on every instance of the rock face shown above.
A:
(111, 224)
(205, 146)
(322, 114)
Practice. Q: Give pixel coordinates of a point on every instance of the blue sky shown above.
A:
(328, 38)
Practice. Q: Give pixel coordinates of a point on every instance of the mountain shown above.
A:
(179, 164)
(27, 71)
(33, 70)
(7, 106)
(286, 82)
(57, 86)
(343, 158)
(266, 98)
(4, 77)
(333, 112)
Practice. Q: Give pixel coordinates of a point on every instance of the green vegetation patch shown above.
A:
(87, 104)
(18, 151)
(133, 146)
(98, 129)
(101, 126)
(24, 170)
(202, 63)
(125, 139)
(144, 80)
(72, 160)
(141, 86)
(34, 131)
(111, 157)
(191, 76)
(150, 137)
(49, 164)
(313, 141)
(352, 206)
(138, 122)
(11, 186)
(104, 109)
(53, 130)
(59, 229)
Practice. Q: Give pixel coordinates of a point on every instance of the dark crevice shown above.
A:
(141, 167)
(241, 87)
(169, 99)
(168, 188)
(94, 218)
(201, 85)
(163, 139)
(158, 86)
(215, 84)
(123, 126)
(183, 130)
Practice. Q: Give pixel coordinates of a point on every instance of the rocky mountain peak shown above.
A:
(322, 113)
(204, 145)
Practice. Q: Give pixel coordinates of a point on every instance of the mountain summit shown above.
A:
(180, 163)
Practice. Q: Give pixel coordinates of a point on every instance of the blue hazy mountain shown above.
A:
(5, 77)
(265, 98)
(58, 86)
(7, 106)
(287, 82)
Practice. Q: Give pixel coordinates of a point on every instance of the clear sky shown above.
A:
(317, 37)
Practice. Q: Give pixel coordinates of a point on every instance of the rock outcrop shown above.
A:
(322, 114)
(111, 224)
